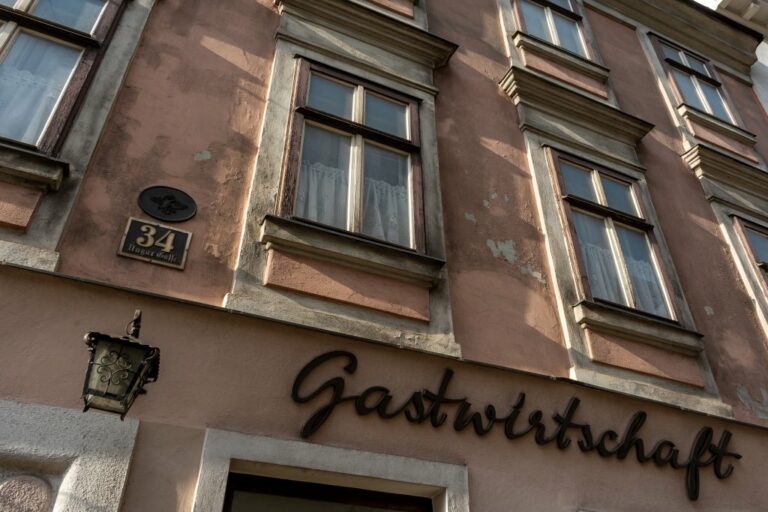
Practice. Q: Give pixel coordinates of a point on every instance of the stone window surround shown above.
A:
(93, 453)
(224, 452)
(734, 128)
(550, 114)
(638, 222)
(336, 43)
(61, 177)
(516, 41)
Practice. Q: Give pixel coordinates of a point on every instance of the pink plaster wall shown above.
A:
(564, 73)
(351, 286)
(721, 308)
(501, 294)
(235, 373)
(164, 468)
(17, 205)
(188, 116)
(643, 358)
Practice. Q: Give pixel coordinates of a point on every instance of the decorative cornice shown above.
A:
(538, 92)
(374, 28)
(694, 26)
(708, 162)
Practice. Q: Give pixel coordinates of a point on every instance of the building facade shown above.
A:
(408, 255)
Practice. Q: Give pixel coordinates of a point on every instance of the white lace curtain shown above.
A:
(602, 271)
(32, 77)
(322, 196)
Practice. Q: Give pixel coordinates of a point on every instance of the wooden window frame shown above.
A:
(303, 113)
(570, 202)
(550, 7)
(742, 225)
(323, 493)
(93, 45)
(712, 78)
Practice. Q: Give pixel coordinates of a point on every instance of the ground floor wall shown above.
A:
(226, 374)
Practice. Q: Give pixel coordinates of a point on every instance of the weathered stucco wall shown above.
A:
(235, 373)
(502, 301)
(188, 116)
(715, 292)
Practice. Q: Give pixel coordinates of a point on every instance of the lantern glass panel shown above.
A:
(114, 370)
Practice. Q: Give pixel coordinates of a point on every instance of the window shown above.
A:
(47, 50)
(354, 164)
(554, 21)
(614, 242)
(246, 493)
(695, 81)
(757, 239)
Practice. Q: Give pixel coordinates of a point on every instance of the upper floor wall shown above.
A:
(252, 108)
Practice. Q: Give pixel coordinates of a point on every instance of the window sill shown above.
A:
(560, 55)
(351, 251)
(32, 169)
(694, 115)
(666, 334)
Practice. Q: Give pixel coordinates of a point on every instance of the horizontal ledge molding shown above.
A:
(732, 131)
(373, 28)
(641, 328)
(540, 93)
(580, 64)
(714, 164)
(346, 249)
(32, 169)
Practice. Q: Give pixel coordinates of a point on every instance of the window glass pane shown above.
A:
(568, 33)
(578, 181)
(646, 288)
(331, 96)
(598, 258)
(671, 53)
(687, 89)
(715, 100)
(759, 243)
(79, 14)
(386, 116)
(618, 195)
(386, 204)
(565, 4)
(697, 64)
(32, 78)
(535, 20)
(9, 3)
(323, 189)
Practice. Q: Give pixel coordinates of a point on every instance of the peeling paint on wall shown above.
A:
(202, 156)
(527, 270)
(503, 248)
(709, 311)
(759, 408)
(470, 217)
(486, 203)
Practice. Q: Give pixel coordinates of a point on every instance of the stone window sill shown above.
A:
(30, 168)
(666, 334)
(554, 53)
(349, 250)
(692, 114)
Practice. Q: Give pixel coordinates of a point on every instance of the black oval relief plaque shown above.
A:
(167, 203)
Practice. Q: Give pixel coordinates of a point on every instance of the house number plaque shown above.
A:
(155, 243)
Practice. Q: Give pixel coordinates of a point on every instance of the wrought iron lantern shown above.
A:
(118, 369)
